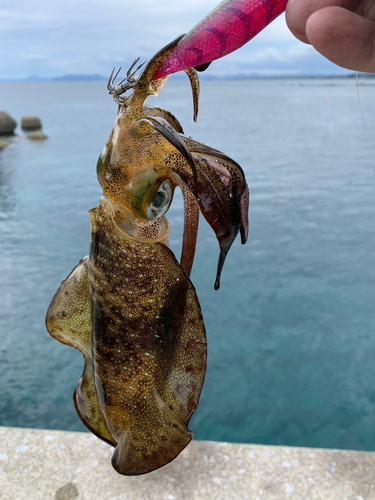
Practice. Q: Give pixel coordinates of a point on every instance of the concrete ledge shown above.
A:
(57, 465)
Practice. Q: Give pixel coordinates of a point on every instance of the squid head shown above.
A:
(148, 155)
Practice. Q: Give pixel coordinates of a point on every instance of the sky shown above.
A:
(51, 38)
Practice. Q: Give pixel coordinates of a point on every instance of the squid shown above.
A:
(129, 307)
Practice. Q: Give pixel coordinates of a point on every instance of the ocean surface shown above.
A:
(291, 340)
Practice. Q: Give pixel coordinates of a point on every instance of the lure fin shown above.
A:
(202, 67)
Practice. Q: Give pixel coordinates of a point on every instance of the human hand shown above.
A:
(341, 30)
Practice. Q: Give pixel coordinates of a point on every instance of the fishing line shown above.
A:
(365, 124)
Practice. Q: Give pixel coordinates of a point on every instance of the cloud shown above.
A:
(34, 56)
(91, 36)
(287, 54)
(16, 21)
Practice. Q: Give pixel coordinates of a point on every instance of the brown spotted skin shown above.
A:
(149, 345)
(69, 321)
(130, 307)
(141, 331)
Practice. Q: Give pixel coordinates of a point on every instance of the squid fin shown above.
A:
(153, 443)
(69, 321)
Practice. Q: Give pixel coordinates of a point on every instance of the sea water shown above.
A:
(291, 341)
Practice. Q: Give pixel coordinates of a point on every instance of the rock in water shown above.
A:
(31, 123)
(7, 123)
(37, 136)
(3, 144)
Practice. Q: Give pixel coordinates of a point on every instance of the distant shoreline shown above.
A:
(98, 78)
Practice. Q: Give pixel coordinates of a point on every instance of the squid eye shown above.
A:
(162, 200)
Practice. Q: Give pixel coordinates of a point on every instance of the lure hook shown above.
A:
(127, 83)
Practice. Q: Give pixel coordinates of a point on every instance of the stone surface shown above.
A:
(7, 123)
(3, 144)
(56, 465)
(37, 136)
(31, 123)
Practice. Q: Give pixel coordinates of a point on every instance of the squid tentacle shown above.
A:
(191, 220)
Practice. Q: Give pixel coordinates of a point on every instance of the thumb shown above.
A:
(344, 37)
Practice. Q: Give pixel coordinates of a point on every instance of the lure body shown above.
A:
(130, 307)
(225, 29)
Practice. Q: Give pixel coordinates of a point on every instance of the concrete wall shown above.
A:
(56, 465)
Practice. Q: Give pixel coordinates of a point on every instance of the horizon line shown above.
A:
(238, 76)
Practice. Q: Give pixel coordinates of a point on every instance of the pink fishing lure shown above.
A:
(224, 30)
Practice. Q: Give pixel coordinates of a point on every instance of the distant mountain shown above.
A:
(64, 78)
(35, 78)
(79, 78)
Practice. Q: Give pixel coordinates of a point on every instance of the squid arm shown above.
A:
(219, 187)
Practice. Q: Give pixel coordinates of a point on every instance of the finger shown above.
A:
(298, 11)
(343, 37)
